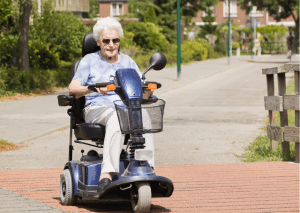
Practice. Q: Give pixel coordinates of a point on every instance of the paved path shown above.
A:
(251, 187)
(29, 121)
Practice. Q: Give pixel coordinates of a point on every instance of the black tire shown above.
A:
(66, 188)
(141, 197)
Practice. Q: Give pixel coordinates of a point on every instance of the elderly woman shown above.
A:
(99, 107)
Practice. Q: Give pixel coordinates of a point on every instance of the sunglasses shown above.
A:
(114, 40)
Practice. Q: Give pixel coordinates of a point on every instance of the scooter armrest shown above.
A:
(65, 100)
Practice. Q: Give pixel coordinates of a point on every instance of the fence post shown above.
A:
(297, 118)
(272, 114)
(283, 114)
(293, 102)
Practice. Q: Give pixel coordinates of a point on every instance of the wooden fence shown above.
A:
(282, 103)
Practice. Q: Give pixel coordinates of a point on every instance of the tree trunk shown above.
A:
(23, 48)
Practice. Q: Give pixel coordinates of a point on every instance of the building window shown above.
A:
(233, 8)
(116, 9)
(257, 13)
(211, 8)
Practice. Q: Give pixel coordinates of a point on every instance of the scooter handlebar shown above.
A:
(109, 86)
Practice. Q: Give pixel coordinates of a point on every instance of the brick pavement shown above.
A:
(244, 187)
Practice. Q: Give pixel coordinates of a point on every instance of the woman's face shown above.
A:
(109, 43)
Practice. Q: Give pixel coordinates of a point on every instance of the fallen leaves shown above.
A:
(30, 95)
(7, 146)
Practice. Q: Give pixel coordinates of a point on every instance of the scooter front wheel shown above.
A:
(66, 188)
(141, 197)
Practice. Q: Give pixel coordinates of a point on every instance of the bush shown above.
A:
(220, 47)
(190, 51)
(235, 45)
(127, 41)
(142, 60)
(6, 11)
(62, 31)
(193, 51)
(8, 49)
(16, 80)
(210, 50)
(148, 36)
(62, 75)
(12, 80)
(41, 57)
(39, 54)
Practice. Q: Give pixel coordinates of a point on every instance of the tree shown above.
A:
(23, 48)
(5, 11)
(279, 9)
(139, 8)
(166, 11)
(190, 8)
(207, 7)
(94, 9)
(150, 15)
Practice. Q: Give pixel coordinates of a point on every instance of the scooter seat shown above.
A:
(88, 131)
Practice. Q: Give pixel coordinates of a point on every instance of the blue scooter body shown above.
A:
(86, 172)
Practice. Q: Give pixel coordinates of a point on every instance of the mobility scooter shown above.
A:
(136, 181)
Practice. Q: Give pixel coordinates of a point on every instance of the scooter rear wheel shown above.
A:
(141, 197)
(66, 188)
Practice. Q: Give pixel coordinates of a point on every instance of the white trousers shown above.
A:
(114, 139)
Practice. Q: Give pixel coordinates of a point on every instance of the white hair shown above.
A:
(106, 23)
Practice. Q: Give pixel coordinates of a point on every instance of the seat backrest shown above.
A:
(78, 104)
(89, 45)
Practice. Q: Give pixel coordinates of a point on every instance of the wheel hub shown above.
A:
(63, 188)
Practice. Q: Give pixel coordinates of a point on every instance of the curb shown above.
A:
(273, 62)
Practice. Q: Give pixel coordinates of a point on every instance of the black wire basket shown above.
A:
(140, 116)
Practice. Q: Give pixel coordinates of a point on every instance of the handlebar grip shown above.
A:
(151, 82)
(92, 87)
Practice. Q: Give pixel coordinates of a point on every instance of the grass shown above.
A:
(7, 146)
(260, 149)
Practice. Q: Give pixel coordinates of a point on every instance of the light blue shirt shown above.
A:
(93, 69)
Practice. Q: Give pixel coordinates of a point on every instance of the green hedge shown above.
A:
(148, 36)
(8, 49)
(12, 80)
(190, 51)
(40, 56)
(193, 51)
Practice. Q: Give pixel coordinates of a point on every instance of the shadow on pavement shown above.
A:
(110, 206)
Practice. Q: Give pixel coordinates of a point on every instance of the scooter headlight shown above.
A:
(143, 155)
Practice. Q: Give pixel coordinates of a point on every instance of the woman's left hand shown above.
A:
(147, 93)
